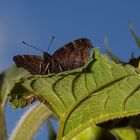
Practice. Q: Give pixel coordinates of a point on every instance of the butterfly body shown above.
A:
(71, 56)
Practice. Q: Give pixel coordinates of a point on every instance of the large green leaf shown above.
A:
(101, 91)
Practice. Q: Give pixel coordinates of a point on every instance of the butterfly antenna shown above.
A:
(32, 46)
(50, 43)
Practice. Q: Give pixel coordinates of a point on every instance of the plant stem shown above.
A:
(3, 132)
(61, 128)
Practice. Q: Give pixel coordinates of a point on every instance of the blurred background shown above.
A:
(37, 21)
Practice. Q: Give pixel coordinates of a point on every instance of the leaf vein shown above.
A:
(105, 103)
(53, 87)
(92, 93)
(128, 96)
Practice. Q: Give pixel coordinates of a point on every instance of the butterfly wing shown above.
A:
(72, 55)
(34, 64)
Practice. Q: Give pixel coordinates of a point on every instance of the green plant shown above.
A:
(98, 101)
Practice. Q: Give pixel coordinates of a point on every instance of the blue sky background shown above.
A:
(36, 21)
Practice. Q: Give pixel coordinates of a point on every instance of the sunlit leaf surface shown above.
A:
(101, 91)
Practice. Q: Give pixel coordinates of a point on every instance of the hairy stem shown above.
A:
(3, 132)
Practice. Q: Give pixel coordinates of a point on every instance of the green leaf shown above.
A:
(125, 133)
(95, 133)
(138, 133)
(7, 80)
(137, 39)
(30, 122)
(101, 91)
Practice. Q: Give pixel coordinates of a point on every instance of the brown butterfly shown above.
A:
(71, 56)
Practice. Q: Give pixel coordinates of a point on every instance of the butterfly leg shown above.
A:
(46, 69)
(40, 67)
(49, 71)
(60, 68)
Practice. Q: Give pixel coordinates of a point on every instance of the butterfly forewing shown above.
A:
(73, 55)
(34, 64)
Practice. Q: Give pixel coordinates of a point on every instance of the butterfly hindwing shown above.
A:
(34, 64)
